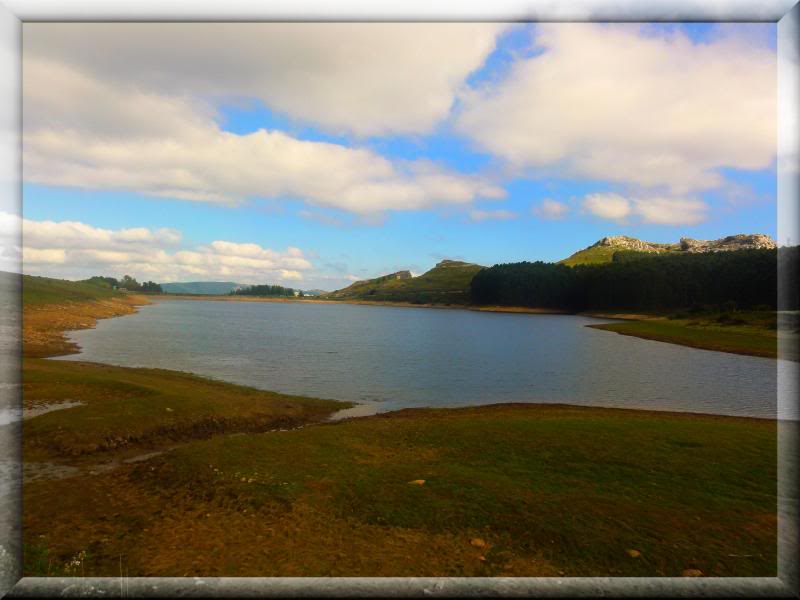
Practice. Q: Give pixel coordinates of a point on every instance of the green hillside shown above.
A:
(604, 250)
(447, 283)
(44, 290)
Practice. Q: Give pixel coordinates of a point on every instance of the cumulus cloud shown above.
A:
(77, 250)
(619, 103)
(652, 210)
(550, 209)
(607, 206)
(364, 78)
(671, 211)
(10, 230)
(182, 153)
(491, 215)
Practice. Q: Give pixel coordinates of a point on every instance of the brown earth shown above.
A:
(43, 326)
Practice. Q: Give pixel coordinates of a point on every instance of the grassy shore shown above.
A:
(519, 490)
(50, 307)
(152, 472)
(754, 333)
(133, 410)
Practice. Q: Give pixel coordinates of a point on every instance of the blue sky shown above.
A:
(467, 181)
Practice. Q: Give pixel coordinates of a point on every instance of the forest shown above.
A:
(265, 290)
(743, 279)
(127, 283)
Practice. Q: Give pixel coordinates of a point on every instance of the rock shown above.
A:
(629, 243)
(732, 242)
(417, 482)
(633, 553)
(478, 542)
(741, 241)
(692, 573)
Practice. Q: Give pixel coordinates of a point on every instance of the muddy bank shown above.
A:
(43, 327)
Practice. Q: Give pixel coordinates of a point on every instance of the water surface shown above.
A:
(389, 358)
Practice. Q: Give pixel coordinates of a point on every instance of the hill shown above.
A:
(604, 250)
(205, 288)
(45, 290)
(446, 283)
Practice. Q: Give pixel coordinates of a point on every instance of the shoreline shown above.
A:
(499, 309)
(166, 473)
(743, 343)
(44, 327)
(471, 491)
(631, 318)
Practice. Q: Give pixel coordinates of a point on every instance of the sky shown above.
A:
(316, 154)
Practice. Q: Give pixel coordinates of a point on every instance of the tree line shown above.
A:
(127, 283)
(266, 290)
(640, 280)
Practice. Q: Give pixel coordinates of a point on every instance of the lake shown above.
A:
(387, 358)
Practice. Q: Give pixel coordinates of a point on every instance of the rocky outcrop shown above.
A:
(732, 242)
(742, 241)
(628, 243)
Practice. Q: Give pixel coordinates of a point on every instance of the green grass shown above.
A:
(549, 489)
(591, 256)
(753, 333)
(126, 407)
(595, 255)
(37, 291)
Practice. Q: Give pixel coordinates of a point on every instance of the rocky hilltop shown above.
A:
(628, 243)
(604, 250)
(741, 241)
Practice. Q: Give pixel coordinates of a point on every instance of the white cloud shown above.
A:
(76, 235)
(651, 210)
(9, 225)
(77, 250)
(671, 211)
(607, 206)
(365, 78)
(491, 215)
(610, 102)
(10, 228)
(550, 209)
(182, 153)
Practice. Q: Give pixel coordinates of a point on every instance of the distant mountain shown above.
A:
(314, 292)
(446, 283)
(205, 288)
(603, 251)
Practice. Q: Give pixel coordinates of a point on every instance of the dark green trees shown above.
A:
(263, 290)
(643, 281)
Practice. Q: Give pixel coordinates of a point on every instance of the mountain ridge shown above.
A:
(604, 249)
